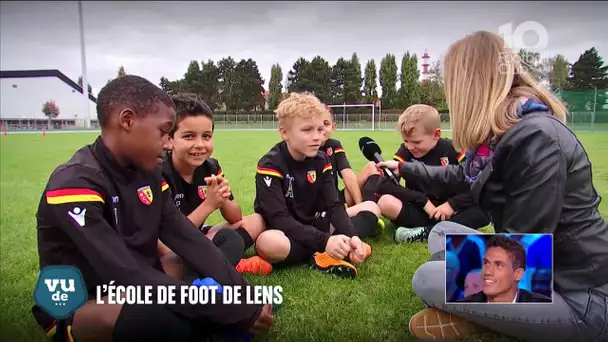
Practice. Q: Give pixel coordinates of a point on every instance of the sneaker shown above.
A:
(368, 250)
(418, 234)
(433, 324)
(380, 227)
(254, 265)
(326, 264)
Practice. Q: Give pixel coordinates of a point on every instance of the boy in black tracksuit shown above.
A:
(199, 187)
(419, 206)
(296, 196)
(103, 212)
(351, 195)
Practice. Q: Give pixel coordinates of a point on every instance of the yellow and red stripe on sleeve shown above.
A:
(269, 172)
(63, 196)
(461, 157)
(327, 167)
(399, 158)
(164, 186)
(220, 173)
(338, 150)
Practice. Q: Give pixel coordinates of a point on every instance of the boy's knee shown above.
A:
(254, 224)
(372, 207)
(428, 283)
(272, 245)
(389, 206)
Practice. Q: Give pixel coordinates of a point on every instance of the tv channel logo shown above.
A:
(60, 291)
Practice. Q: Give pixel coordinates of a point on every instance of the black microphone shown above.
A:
(372, 152)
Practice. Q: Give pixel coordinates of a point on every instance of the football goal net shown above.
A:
(355, 116)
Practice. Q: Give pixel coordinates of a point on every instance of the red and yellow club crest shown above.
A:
(202, 191)
(145, 195)
(330, 151)
(445, 161)
(311, 176)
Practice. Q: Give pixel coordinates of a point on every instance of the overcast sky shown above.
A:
(159, 39)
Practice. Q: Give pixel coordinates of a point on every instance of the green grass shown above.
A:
(376, 305)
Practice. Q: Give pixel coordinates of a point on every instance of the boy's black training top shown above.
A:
(188, 196)
(105, 220)
(337, 157)
(443, 154)
(295, 196)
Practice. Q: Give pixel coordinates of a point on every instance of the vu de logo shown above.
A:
(60, 291)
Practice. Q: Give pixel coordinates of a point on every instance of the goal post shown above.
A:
(356, 120)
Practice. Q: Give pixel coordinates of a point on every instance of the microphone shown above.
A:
(372, 152)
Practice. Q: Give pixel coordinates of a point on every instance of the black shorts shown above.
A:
(55, 330)
(412, 216)
(299, 254)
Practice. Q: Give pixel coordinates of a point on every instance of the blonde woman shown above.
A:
(531, 174)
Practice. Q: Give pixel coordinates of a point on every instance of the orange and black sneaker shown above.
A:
(254, 265)
(434, 324)
(368, 250)
(326, 264)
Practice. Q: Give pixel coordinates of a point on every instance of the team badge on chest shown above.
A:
(311, 176)
(445, 161)
(145, 195)
(202, 191)
(330, 151)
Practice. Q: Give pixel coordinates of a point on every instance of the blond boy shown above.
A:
(416, 208)
(296, 196)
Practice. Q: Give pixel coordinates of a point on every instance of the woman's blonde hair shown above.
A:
(484, 81)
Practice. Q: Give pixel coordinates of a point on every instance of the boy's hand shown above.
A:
(224, 189)
(338, 246)
(389, 164)
(430, 208)
(357, 250)
(443, 212)
(215, 192)
(263, 323)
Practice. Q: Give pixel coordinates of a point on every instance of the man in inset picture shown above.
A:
(503, 267)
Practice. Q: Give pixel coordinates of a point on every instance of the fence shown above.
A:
(588, 111)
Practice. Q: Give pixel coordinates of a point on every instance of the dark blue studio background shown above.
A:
(469, 251)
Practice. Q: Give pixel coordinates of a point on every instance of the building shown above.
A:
(23, 94)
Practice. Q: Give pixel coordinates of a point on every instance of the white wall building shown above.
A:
(23, 93)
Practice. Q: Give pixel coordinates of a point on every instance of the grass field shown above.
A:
(377, 305)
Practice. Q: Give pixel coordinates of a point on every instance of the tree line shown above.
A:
(227, 85)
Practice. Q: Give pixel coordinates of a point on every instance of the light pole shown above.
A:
(83, 60)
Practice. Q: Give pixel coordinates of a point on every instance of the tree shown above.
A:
(432, 89)
(192, 79)
(370, 88)
(296, 77)
(339, 74)
(353, 85)
(316, 78)
(588, 72)
(388, 81)
(80, 84)
(532, 62)
(171, 87)
(51, 110)
(247, 86)
(409, 92)
(226, 70)
(121, 72)
(275, 88)
(209, 84)
(559, 72)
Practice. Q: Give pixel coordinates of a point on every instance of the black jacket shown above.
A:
(523, 296)
(300, 197)
(106, 220)
(540, 181)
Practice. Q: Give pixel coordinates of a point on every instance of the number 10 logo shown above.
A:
(514, 39)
